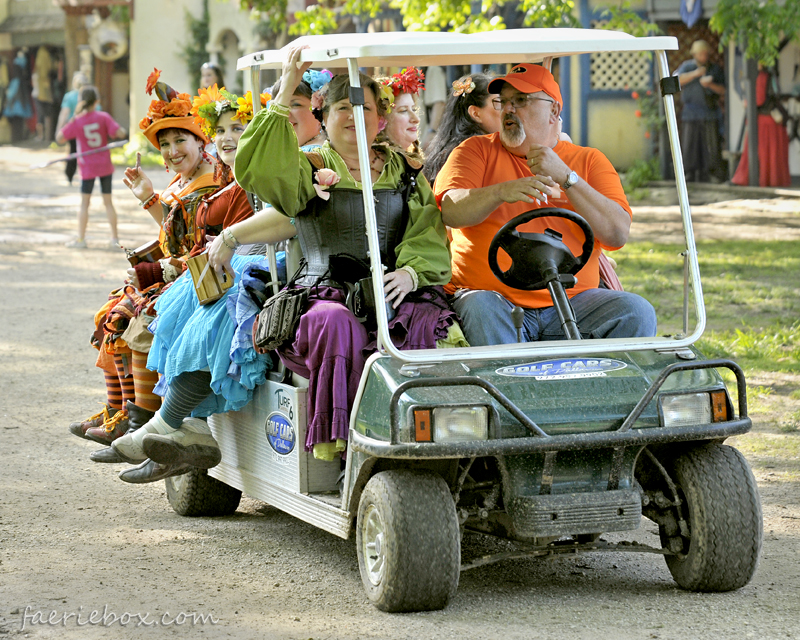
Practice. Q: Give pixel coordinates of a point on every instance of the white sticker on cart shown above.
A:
(280, 434)
(563, 369)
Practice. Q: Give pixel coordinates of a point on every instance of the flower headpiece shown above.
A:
(387, 97)
(211, 103)
(409, 80)
(463, 87)
(317, 79)
(170, 110)
(170, 103)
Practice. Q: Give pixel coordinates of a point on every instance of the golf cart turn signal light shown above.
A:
(422, 425)
(719, 406)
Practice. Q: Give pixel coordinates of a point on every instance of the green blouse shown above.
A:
(270, 164)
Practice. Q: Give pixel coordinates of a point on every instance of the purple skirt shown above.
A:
(331, 347)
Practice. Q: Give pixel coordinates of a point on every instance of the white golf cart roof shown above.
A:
(402, 49)
(421, 49)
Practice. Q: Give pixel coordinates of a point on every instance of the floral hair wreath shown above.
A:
(211, 103)
(387, 98)
(168, 103)
(463, 87)
(409, 80)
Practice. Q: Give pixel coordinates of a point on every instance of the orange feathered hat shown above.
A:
(169, 111)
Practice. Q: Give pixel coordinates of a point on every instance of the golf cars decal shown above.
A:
(563, 369)
(280, 434)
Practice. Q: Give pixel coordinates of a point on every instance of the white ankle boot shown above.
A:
(191, 444)
(129, 446)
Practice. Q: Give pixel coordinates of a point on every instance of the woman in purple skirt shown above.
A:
(317, 196)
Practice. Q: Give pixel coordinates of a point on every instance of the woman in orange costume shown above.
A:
(121, 334)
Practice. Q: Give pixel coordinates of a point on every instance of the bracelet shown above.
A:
(149, 202)
(414, 277)
(236, 243)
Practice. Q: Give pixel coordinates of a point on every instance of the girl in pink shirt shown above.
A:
(93, 129)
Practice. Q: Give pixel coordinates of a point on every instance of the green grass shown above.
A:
(748, 286)
(125, 156)
(752, 302)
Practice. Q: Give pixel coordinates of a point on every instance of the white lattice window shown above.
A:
(618, 70)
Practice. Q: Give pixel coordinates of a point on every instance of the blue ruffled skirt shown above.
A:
(216, 337)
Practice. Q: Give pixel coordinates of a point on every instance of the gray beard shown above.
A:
(513, 137)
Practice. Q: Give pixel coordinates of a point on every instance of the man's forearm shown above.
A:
(610, 223)
(468, 207)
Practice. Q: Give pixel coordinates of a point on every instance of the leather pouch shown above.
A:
(276, 324)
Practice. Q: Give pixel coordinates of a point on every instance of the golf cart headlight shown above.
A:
(460, 424)
(686, 409)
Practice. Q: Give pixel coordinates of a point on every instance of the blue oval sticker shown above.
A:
(280, 434)
(563, 369)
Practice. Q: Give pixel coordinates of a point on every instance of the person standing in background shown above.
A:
(68, 105)
(18, 97)
(773, 140)
(210, 74)
(93, 129)
(702, 84)
(44, 97)
(434, 99)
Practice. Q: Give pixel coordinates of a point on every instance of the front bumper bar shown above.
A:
(624, 436)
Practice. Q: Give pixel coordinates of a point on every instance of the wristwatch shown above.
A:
(572, 179)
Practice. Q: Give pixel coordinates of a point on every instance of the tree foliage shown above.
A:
(461, 16)
(622, 18)
(758, 27)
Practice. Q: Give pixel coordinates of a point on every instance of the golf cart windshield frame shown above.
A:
(511, 46)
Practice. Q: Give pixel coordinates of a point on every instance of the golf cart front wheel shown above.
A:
(723, 512)
(408, 541)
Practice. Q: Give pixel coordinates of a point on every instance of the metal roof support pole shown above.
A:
(369, 213)
(683, 199)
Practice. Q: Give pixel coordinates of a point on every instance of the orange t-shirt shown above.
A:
(481, 161)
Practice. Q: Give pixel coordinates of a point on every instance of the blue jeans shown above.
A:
(600, 313)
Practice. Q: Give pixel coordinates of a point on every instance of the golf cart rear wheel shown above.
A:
(197, 494)
(408, 541)
(723, 510)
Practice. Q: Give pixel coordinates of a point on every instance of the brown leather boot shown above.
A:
(79, 428)
(137, 417)
(113, 428)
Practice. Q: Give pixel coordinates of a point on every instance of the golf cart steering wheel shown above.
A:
(539, 258)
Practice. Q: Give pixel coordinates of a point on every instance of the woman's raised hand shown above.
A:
(292, 74)
(137, 181)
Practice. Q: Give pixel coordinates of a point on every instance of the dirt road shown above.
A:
(75, 540)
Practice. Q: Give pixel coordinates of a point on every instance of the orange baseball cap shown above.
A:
(529, 78)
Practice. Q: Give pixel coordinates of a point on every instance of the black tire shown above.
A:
(197, 494)
(723, 510)
(411, 518)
